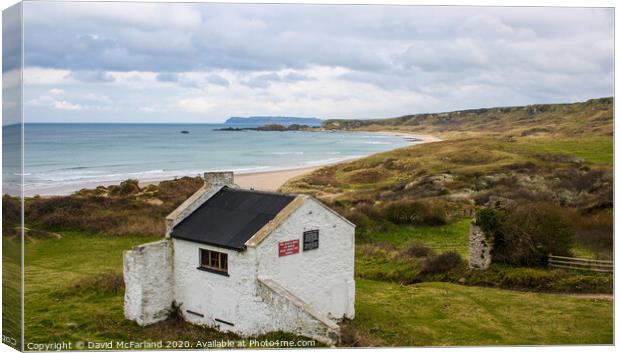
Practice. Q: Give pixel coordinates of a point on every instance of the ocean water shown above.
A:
(61, 158)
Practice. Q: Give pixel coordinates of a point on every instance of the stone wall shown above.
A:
(215, 179)
(479, 249)
(148, 282)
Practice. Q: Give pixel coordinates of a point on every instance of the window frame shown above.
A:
(220, 261)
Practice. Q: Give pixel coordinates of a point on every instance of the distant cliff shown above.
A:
(267, 120)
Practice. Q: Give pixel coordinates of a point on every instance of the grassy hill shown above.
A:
(593, 117)
(560, 153)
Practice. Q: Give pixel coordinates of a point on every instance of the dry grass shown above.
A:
(117, 210)
(109, 282)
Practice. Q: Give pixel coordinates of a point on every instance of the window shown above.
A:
(213, 261)
(311, 239)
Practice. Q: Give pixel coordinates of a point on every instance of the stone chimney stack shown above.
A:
(216, 179)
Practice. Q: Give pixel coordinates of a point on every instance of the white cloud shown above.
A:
(48, 101)
(147, 109)
(197, 105)
(205, 62)
(64, 105)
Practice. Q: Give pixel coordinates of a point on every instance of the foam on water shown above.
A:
(61, 158)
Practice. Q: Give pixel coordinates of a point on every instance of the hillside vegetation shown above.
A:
(557, 154)
(593, 117)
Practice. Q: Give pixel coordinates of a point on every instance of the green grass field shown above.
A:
(390, 314)
(592, 149)
(453, 236)
(443, 314)
(11, 292)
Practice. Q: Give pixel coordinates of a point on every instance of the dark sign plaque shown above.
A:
(311, 239)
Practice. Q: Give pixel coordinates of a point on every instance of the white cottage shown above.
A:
(247, 261)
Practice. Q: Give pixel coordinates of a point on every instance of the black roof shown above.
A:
(231, 217)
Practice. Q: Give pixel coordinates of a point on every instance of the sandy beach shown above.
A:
(272, 180)
(269, 181)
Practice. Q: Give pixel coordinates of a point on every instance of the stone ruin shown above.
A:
(479, 249)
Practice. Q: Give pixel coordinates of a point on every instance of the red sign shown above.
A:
(288, 247)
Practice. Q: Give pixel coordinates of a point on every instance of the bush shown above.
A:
(526, 233)
(596, 232)
(417, 249)
(11, 214)
(442, 263)
(533, 231)
(176, 191)
(489, 220)
(430, 213)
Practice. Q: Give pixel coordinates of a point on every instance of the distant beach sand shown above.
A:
(273, 180)
(269, 181)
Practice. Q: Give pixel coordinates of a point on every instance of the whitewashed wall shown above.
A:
(323, 277)
(314, 286)
(213, 295)
(148, 282)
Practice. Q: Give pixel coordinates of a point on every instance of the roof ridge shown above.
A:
(259, 191)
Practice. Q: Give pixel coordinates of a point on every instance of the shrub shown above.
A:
(133, 214)
(525, 233)
(415, 212)
(442, 263)
(11, 214)
(417, 249)
(174, 192)
(489, 220)
(596, 232)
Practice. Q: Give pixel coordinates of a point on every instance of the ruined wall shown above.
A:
(148, 282)
(479, 249)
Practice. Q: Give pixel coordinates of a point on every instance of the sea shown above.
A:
(63, 158)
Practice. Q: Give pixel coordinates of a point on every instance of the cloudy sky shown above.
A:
(167, 62)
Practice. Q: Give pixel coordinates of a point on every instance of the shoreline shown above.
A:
(268, 180)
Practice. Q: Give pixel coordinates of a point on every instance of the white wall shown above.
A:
(213, 295)
(148, 282)
(323, 277)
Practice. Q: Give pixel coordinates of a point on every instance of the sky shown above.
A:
(202, 63)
